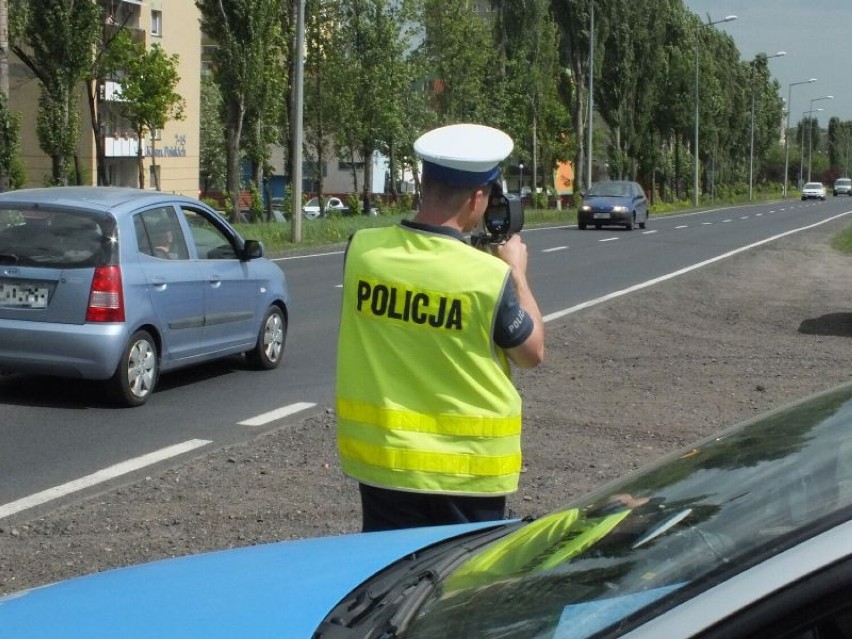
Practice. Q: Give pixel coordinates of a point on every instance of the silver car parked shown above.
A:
(120, 284)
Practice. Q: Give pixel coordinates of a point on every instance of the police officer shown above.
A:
(429, 422)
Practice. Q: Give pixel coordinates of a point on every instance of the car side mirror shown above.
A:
(252, 250)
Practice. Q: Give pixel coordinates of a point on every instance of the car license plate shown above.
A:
(601, 216)
(20, 295)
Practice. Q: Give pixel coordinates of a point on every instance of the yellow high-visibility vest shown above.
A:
(425, 400)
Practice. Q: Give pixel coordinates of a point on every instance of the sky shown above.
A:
(815, 34)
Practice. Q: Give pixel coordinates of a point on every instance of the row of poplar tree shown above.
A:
(379, 72)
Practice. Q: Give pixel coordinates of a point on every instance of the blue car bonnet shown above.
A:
(282, 589)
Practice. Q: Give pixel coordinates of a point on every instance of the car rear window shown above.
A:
(56, 238)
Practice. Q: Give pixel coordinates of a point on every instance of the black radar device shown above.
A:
(503, 218)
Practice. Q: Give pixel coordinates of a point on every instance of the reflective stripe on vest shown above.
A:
(424, 399)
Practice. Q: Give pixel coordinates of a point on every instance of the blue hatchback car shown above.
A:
(747, 534)
(613, 203)
(120, 284)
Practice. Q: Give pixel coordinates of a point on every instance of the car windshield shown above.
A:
(56, 238)
(312, 202)
(609, 189)
(634, 547)
(813, 185)
(843, 182)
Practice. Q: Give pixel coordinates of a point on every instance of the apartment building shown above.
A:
(173, 153)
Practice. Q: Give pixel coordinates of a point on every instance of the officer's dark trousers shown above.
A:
(385, 509)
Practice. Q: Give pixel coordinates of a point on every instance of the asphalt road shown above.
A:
(60, 439)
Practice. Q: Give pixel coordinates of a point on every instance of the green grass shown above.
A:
(277, 236)
(843, 241)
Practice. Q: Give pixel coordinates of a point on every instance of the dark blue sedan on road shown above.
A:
(745, 534)
(613, 203)
(120, 284)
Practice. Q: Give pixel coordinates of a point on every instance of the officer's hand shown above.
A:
(514, 252)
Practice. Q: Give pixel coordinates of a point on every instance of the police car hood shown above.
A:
(283, 589)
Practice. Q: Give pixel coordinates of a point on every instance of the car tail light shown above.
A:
(106, 299)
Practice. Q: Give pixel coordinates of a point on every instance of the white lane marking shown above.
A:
(302, 257)
(608, 239)
(682, 226)
(555, 248)
(278, 413)
(636, 287)
(100, 476)
(649, 232)
(728, 220)
(758, 214)
(744, 217)
(707, 224)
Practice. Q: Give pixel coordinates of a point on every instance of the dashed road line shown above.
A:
(100, 476)
(278, 413)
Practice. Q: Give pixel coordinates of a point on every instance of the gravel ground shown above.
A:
(624, 382)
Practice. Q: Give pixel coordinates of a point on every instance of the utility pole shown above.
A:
(296, 125)
(591, 93)
(4, 74)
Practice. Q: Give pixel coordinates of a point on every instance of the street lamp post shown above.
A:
(521, 180)
(591, 91)
(787, 127)
(695, 150)
(802, 144)
(811, 135)
(751, 149)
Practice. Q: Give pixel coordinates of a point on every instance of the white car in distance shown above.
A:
(813, 191)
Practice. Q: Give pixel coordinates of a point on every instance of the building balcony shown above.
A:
(122, 147)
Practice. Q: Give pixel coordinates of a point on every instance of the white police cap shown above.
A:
(463, 154)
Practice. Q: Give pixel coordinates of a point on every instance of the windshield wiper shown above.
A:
(387, 602)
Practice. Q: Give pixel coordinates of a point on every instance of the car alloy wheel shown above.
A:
(136, 376)
(270, 340)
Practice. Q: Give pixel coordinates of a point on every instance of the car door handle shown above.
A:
(159, 283)
(215, 281)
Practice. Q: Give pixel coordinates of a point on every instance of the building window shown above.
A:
(157, 23)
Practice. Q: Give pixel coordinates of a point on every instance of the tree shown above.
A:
(10, 125)
(574, 19)
(4, 92)
(56, 42)
(458, 50)
(249, 51)
(839, 145)
(323, 70)
(212, 143)
(527, 79)
(148, 96)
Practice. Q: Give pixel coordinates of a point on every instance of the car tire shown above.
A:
(597, 227)
(138, 371)
(581, 226)
(631, 224)
(269, 349)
